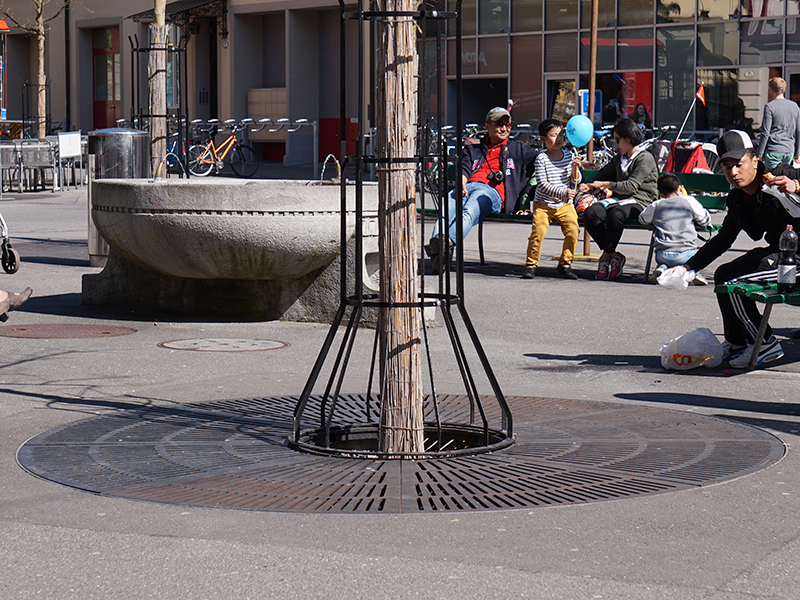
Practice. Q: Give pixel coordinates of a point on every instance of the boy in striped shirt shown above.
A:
(557, 175)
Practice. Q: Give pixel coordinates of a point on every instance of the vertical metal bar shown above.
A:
(342, 156)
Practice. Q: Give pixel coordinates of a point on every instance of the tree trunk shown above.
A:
(401, 427)
(41, 80)
(157, 87)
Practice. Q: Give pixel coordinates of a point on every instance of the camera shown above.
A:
(496, 176)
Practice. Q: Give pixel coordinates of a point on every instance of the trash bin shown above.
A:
(114, 153)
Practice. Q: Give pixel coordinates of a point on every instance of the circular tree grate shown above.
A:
(63, 331)
(233, 454)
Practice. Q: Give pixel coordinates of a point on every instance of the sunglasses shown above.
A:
(503, 125)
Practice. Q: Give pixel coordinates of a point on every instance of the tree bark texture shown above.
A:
(401, 426)
(41, 78)
(157, 88)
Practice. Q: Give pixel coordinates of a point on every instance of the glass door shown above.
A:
(561, 99)
(107, 77)
(792, 77)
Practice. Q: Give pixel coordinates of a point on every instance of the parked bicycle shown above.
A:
(207, 157)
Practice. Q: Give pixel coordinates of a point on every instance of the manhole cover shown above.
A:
(233, 454)
(60, 331)
(224, 345)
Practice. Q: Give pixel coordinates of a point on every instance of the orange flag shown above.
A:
(701, 95)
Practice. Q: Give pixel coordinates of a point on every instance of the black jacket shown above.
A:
(759, 215)
(517, 163)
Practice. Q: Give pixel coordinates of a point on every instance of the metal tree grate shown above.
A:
(233, 454)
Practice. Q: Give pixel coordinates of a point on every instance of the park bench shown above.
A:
(767, 294)
(695, 183)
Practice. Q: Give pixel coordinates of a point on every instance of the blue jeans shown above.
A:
(773, 159)
(481, 201)
(673, 259)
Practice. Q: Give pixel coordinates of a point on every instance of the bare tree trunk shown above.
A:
(401, 386)
(41, 80)
(157, 86)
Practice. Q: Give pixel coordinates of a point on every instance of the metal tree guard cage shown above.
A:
(346, 425)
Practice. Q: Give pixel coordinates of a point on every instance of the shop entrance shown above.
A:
(107, 77)
(561, 99)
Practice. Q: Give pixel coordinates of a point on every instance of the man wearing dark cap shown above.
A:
(493, 173)
(759, 211)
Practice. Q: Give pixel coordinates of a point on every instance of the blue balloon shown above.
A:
(579, 130)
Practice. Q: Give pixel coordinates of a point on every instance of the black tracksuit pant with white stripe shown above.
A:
(740, 316)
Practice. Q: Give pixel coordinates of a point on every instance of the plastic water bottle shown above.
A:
(787, 266)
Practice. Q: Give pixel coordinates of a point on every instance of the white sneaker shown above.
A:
(699, 280)
(730, 351)
(770, 350)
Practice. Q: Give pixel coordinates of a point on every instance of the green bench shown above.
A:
(767, 294)
(693, 182)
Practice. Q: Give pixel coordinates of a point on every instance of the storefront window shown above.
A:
(526, 78)
(674, 11)
(635, 48)
(718, 9)
(792, 41)
(468, 17)
(606, 13)
(561, 14)
(560, 52)
(493, 16)
(636, 12)
(762, 41)
(493, 56)
(717, 45)
(605, 50)
(469, 57)
(674, 74)
(768, 8)
(526, 15)
(724, 107)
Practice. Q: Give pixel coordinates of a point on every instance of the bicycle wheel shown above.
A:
(244, 161)
(200, 161)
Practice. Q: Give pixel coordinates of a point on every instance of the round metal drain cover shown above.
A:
(233, 454)
(224, 345)
(63, 331)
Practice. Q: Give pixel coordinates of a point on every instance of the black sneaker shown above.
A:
(432, 250)
(566, 271)
(529, 272)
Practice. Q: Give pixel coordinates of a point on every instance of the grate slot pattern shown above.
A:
(233, 454)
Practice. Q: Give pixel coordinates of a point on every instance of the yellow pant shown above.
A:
(566, 216)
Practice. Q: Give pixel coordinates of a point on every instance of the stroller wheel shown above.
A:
(10, 261)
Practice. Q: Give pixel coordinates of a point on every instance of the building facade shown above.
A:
(280, 58)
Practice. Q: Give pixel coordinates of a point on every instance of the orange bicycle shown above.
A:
(203, 158)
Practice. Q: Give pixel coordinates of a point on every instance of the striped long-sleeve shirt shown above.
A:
(553, 179)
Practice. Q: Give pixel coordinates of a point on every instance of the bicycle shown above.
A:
(203, 158)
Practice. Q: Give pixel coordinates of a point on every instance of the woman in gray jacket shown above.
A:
(631, 178)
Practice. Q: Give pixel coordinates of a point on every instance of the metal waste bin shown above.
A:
(114, 153)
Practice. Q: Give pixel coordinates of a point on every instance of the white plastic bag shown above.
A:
(678, 278)
(692, 349)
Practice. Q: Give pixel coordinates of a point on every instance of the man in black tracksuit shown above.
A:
(759, 214)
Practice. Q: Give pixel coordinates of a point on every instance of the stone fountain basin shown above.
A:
(219, 228)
